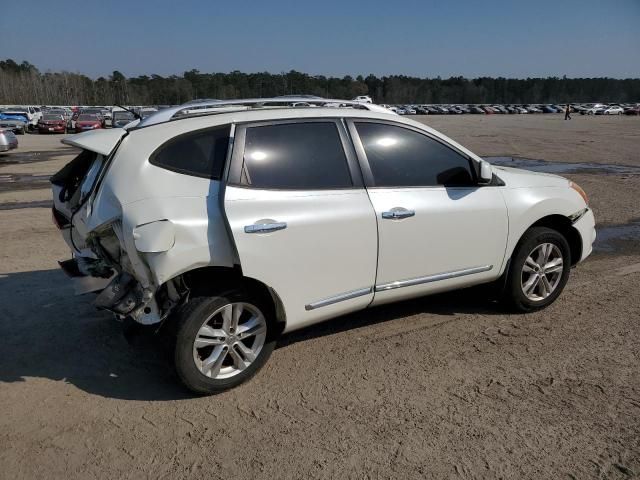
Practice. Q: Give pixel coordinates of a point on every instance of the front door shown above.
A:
(438, 229)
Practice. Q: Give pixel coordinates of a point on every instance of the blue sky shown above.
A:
(517, 38)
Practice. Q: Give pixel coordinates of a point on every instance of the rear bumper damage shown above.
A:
(119, 293)
(83, 281)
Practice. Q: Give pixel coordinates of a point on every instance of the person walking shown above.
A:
(567, 112)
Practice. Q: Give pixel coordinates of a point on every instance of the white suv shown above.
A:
(233, 227)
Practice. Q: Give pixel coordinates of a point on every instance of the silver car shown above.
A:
(8, 140)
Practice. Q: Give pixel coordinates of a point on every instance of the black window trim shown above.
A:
(366, 168)
(237, 156)
(179, 137)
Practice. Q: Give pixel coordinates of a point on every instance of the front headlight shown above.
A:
(580, 191)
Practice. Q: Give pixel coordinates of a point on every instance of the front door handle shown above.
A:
(397, 213)
(265, 227)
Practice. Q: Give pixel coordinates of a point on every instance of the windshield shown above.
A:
(88, 118)
(52, 117)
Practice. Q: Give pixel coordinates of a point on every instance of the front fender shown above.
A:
(526, 206)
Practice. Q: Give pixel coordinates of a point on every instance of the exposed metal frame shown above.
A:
(189, 110)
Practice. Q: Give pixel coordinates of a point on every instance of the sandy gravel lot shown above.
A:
(441, 387)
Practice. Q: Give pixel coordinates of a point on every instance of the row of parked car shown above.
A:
(585, 109)
(22, 119)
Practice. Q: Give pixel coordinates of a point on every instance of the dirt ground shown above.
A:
(441, 387)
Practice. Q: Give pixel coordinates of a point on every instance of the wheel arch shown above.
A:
(562, 225)
(210, 280)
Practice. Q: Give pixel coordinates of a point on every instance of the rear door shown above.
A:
(300, 217)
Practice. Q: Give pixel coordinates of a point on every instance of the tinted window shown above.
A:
(295, 156)
(402, 157)
(201, 154)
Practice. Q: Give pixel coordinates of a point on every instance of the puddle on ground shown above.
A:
(618, 238)
(562, 167)
(19, 158)
(20, 181)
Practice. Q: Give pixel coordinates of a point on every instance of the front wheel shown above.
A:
(222, 341)
(539, 270)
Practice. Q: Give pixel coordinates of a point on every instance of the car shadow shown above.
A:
(470, 300)
(49, 333)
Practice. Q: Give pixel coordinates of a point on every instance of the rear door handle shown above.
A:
(265, 227)
(396, 213)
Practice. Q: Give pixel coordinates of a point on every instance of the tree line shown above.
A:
(23, 83)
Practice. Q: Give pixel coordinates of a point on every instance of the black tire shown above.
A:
(514, 295)
(188, 321)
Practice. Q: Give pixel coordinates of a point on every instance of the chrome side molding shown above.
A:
(432, 278)
(398, 284)
(339, 298)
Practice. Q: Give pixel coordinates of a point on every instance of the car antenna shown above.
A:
(135, 115)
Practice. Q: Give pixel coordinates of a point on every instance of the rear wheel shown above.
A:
(539, 270)
(222, 341)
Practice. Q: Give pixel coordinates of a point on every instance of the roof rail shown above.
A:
(191, 109)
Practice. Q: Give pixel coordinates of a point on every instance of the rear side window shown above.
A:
(400, 157)
(200, 154)
(295, 156)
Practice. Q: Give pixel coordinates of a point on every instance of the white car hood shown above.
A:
(517, 177)
(101, 141)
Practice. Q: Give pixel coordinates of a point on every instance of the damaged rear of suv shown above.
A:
(122, 216)
(141, 210)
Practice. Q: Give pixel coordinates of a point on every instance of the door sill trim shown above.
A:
(431, 278)
(339, 298)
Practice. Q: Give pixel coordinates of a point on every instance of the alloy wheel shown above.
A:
(229, 340)
(542, 272)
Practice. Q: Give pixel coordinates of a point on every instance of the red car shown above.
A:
(632, 111)
(52, 124)
(86, 121)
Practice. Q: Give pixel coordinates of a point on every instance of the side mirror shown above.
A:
(486, 173)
